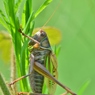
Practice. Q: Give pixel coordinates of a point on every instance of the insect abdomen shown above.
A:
(36, 81)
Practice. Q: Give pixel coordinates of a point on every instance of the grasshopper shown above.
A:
(43, 63)
(41, 54)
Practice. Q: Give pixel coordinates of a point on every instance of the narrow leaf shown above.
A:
(4, 86)
(31, 17)
(84, 87)
(17, 5)
(4, 24)
(42, 7)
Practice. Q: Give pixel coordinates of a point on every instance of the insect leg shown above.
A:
(18, 79)
(10, 84)
(31, 61)
(42, 70)
(66, 93)
(54, 62)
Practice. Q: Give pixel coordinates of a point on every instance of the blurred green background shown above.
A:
(76, 61)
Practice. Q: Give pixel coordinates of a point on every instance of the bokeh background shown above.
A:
(76, 21)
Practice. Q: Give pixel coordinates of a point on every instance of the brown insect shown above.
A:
(43, 64)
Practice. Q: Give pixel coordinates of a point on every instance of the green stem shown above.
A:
(4, 86)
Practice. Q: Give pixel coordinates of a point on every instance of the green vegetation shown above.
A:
(76, 21)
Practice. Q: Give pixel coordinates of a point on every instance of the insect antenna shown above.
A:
(28, 37)
(52, 14)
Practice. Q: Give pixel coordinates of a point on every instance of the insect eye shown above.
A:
(42, 34)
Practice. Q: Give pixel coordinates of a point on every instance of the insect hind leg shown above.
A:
(66, 93)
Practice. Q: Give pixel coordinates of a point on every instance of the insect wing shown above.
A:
(54, 60)
(52, 67)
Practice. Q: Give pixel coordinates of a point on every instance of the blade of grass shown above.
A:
(17, 5)
(31, 18)
(42, 7)
(4, 86)
(11, 10)
(28, 10)
(19, 10)
(84, 87)
(57, 50)
(4, 19)
(3, 16)
(6, 7)
(4, 24)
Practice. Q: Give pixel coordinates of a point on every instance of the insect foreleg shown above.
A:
(18, 79)
(31, 68)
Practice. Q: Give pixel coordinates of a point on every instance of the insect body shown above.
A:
(41, 54)
(38, 55)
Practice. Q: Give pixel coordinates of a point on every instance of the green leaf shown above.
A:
(28, 9)
(4, 86)
(17, 5)
(31, 17)
(20, 11)
(84, 87)
(42, 7)
(3, 16)
(4, 20)
(4, 24)
(5, 2)
(57, 49)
